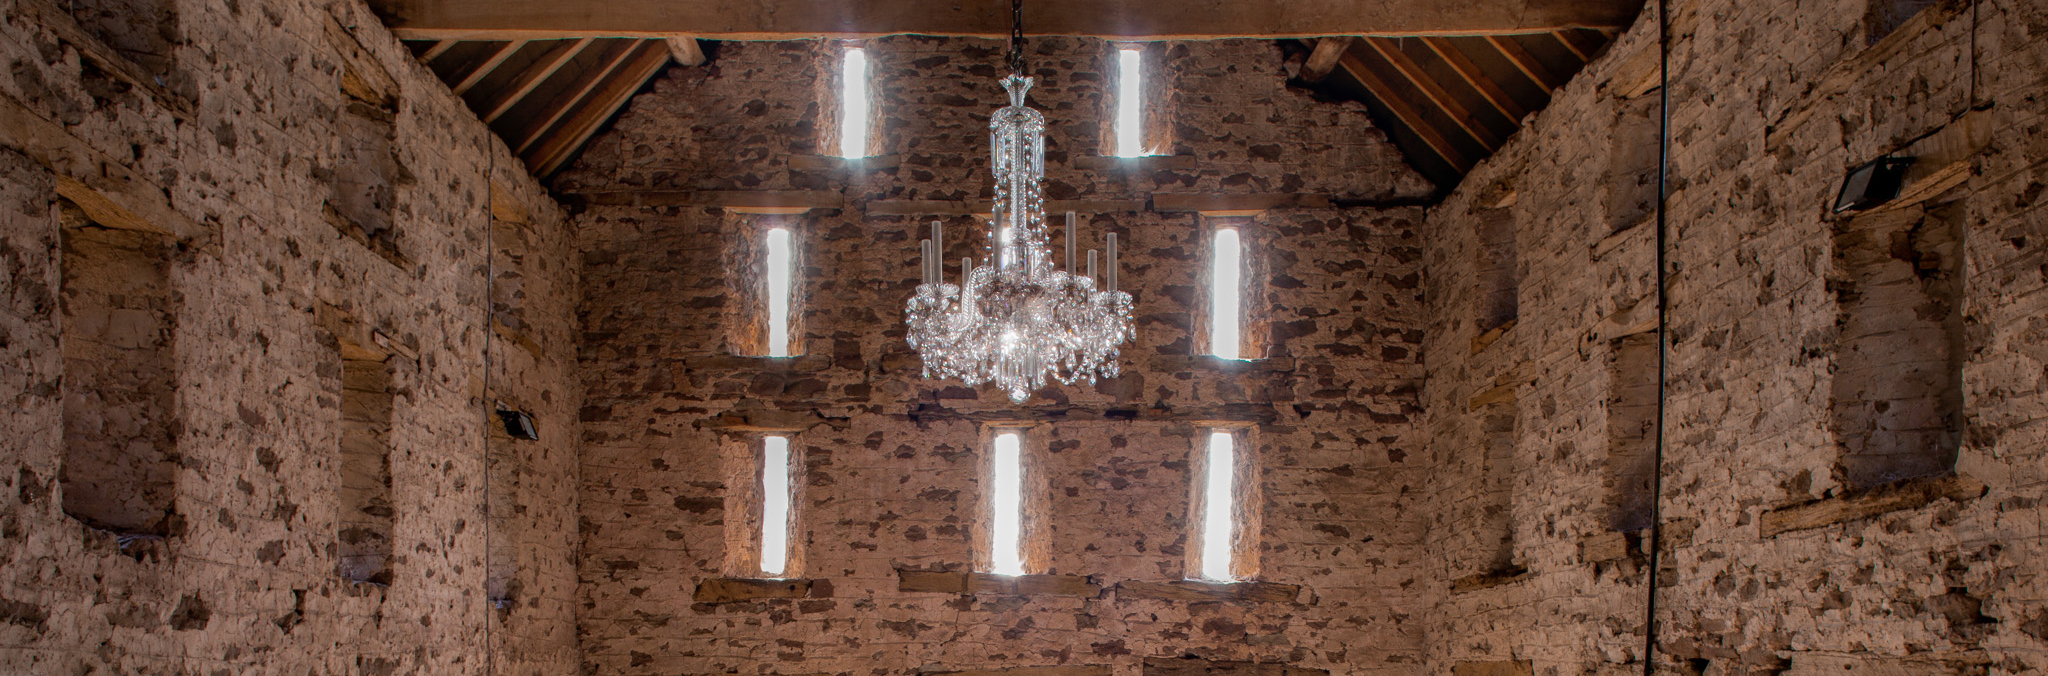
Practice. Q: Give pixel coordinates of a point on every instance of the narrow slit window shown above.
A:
(1219, 496)
(853, 104)
(1130, 132)
(775, 502)
(1226, 314)
(1006, 530)
(778, 271)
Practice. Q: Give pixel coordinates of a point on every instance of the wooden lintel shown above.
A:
(1478, 79)
(1405, 113)
(1525, 62)
(602, 104)
(1324, 59)
(484, 69)
(1121, 19)
(745, 201)
(1408, 68)
(541, 69)
(1210, 204)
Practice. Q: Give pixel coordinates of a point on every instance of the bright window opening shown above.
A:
(1226, 282)
(774, 505)
(853, 104)
(1130, 139)
(1218, 496)
(1006, 533)
(778, 292)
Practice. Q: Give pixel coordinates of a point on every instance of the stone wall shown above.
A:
(1792, 546)
(891, 479)
(176, 287)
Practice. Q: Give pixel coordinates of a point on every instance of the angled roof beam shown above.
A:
(1123, 19)
(1526, 62)
(570, 99)
(484, 69)
(1407, 114)
(1408, 68)
(539, 72)
(686, 51)
(440, 47)
(651, 58)
(1487, 88)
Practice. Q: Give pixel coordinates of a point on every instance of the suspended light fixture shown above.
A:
(1016, 319)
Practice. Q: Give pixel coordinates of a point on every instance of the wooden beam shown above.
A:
(569, 100)
(440, 47)
(484, 69)
(1488, 89)
(1407, 114)
(1578, 44)
(1324, 58)
(1525, 62)
(686, 51)
(600, 106)
(104, 188)
(1122, 19)
(539, 72)
(1391, 51)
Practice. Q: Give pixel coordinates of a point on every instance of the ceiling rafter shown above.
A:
(484, 69)
(1525, 62)
(537, 130)
(1436, 93)
(1477, 79)
(606, 100)
(541, 69)
(1406, 113)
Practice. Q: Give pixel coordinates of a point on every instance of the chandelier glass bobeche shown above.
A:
(1017, 320)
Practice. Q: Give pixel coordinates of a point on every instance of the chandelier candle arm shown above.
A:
(1091, 265)
(1070, 241)
(1112, 261)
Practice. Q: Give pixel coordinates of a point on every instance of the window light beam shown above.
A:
(779, 273)
(1218, 499)
(1006, 532)
(775, 500)
(853, 104)
(1226, 281)
(1130, 135)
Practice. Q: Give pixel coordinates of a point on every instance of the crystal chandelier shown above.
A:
(1017, 319)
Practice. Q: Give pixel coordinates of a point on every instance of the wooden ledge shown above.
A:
(1485, 340)
(1190, 666)
(1850, 506)
(742, 201)
(1209, 204)
(730, 590)
(988, 583)
(1140, 163)
(1190, 590)
(1062, 670)
(1176, 364)
(1489, 579)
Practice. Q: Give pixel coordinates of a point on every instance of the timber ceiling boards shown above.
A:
(1122, 19)
(546, 98)
(1451, 101)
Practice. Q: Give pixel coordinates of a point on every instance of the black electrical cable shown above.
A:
(1655, 545)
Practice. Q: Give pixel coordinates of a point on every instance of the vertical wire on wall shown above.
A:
(490, 314)
(1656, 539)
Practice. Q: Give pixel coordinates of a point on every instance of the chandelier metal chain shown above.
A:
(1017, 319)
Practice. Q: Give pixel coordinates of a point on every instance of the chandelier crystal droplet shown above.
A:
(1016, 319)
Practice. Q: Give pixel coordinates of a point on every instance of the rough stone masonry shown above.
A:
(267, 282)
